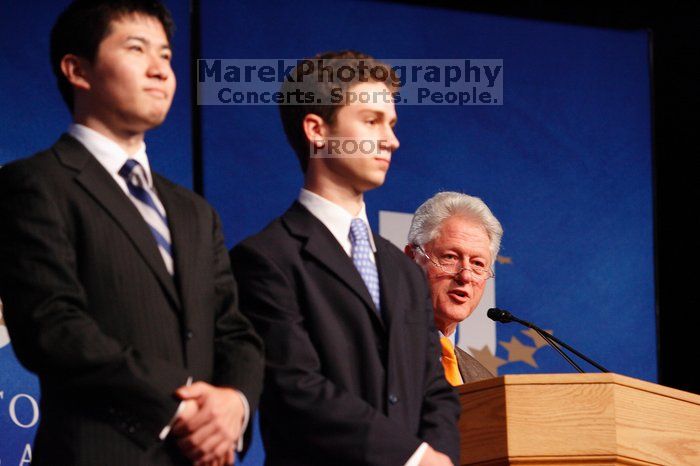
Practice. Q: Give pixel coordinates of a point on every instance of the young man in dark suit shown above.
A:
(116, 282)
(353, 375)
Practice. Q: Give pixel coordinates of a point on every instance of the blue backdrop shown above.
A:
(564, 163)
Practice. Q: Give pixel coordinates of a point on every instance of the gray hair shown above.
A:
(430, 215)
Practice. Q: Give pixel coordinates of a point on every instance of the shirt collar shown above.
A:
(334, 217)
(451, 337)
(110, 155)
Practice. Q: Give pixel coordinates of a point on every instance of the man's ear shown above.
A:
(76, 69)
(408, 250)
(315, 129)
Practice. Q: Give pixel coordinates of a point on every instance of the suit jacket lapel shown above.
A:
(320, 244)
(102, 187)
(388, 281)
(182, 236)
(470, 368)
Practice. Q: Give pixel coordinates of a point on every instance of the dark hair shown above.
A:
(323, 87)
(82, 26)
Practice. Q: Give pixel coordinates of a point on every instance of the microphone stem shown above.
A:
(551, 343)
(549, 335)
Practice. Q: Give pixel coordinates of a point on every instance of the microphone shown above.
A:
(499, 315)
(503, 316)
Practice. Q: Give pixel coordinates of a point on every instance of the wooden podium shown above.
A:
(581, 419)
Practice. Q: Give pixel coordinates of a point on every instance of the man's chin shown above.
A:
(457, 313)
(371, 184)
(378, 180)
(154, 120)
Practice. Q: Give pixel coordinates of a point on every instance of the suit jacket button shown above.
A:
(393, 399)
(189, 334)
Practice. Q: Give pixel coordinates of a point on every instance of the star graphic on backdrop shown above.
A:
(504, 260)
(534, 336)
(487, 359)
(519, 352)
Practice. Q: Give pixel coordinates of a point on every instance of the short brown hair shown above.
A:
(362, 67)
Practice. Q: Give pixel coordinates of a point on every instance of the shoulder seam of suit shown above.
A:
(270, 260)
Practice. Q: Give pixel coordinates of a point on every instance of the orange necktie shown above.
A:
(449, 362)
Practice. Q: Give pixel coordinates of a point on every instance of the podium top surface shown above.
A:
(573, 379)
(575, 419)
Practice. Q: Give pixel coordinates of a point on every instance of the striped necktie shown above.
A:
(148, 204)
(449, 362)
(361, 250)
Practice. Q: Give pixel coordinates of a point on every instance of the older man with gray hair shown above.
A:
(455, 238)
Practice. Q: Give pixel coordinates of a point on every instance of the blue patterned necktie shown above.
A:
(148, 204)
(361, 250)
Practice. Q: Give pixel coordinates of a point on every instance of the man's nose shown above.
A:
(465, 275)
(158, 67)
(392, 140)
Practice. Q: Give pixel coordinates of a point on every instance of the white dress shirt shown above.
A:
(110, 155)
(338, 221)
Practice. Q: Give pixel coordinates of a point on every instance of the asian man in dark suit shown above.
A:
(116, 282)
(455, 238)
(352, 362)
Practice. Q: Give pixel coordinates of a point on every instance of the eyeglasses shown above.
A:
(453, 266)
